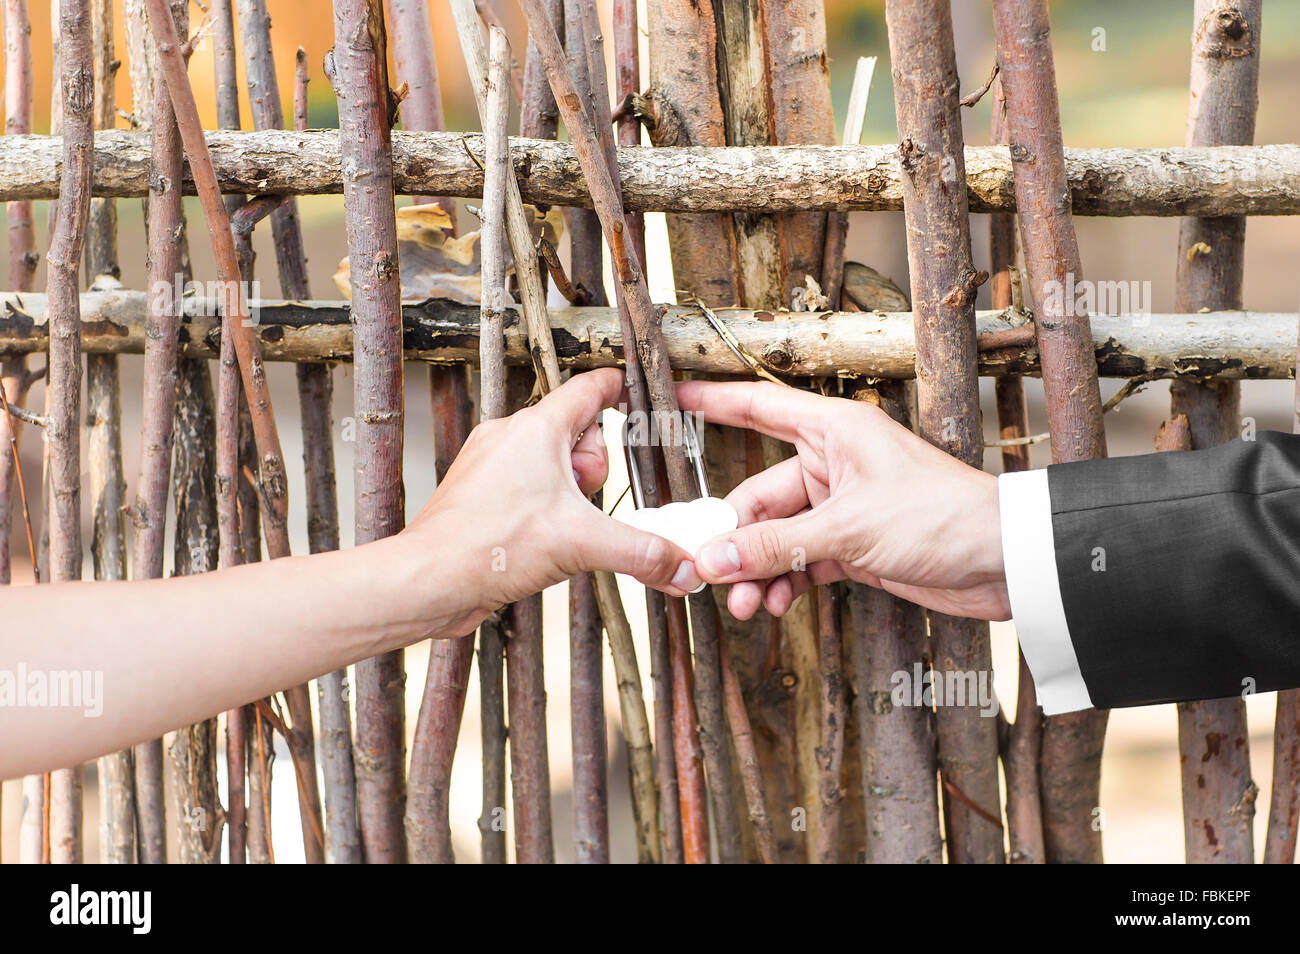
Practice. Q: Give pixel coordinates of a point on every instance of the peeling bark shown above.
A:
(1165, 181)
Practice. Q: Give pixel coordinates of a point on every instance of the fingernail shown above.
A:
(577, 478)
(719, 559)
(686, 578)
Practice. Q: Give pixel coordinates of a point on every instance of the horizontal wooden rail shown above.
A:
(1223, 180)
(1237, 345)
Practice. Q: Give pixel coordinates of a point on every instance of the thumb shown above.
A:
(653, 560)
(767, 549)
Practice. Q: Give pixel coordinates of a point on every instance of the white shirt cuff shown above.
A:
(1029, 558)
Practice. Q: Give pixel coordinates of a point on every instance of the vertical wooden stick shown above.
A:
(152, 111)
(1020, 759)
(586, 672)
(314, 386)
(428, 820)
(686, 741)
(628, 83)
(104, 452)
(1218, 791)
(834, 709)
(943, 302)
(63, 405)
(361, 83)
(192, 750)
(1071, 749)
(636, 727)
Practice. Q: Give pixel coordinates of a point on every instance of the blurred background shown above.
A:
(1122, 70)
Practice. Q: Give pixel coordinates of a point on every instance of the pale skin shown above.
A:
(865, 499)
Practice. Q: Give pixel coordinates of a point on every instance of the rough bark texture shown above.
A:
(530, 783)
(800, 91)
(192, 751)
(685, 109)
(926, 97)
(492, 713)
(897, 745)
(1166, 181)
(1284, 804)
(1020, 754)
(587, 703)
(417, 68)
(1214, 742)
(63, 402)
(361, 82)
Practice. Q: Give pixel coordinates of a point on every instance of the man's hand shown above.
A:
(511, 517)
(864, 499)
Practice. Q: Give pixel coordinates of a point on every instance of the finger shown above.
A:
(783, 591)
(744, 599)
(779, 491)
(768, 549)
(768, 408)
(609, 544)
(590, 460)
(827, 571)
(778, 597)
(576, 402)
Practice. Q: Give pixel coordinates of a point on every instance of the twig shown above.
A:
(490, 20)
(555, 268)
(496, 147)
(972, 98)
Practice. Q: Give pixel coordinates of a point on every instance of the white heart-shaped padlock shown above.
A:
(689, 525)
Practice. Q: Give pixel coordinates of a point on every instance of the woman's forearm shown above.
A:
(108, 664)
(89, 668)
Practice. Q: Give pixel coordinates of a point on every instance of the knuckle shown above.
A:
(654, 554)
(768, 546)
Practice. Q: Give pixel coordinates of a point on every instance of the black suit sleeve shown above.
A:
(1180, 572)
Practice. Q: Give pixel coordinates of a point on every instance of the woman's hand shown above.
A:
(864, 499)
(511, 517)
